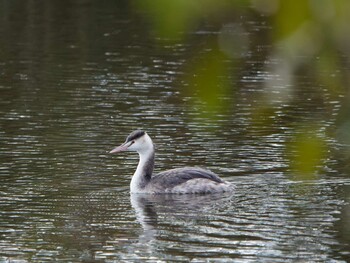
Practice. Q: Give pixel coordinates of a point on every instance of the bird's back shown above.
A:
(188, 180)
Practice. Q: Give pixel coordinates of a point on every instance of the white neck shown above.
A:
(144, 170)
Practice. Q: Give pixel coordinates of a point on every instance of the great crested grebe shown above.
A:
(184, 180)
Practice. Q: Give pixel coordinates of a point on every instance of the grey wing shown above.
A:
(178, 176)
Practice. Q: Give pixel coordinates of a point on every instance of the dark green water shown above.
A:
(76, 77)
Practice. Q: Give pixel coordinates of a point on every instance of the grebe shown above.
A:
(185, 180)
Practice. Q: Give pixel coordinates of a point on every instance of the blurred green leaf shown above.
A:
(170, 18)
(208, 80)
(306, 152)
(291, 15)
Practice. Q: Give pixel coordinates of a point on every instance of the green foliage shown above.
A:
(306, 152)
(207, 80)
(170, 19)
(291, 15)
(304, 35)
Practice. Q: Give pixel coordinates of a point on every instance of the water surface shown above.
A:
(77, 77)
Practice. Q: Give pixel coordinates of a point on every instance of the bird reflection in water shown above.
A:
(152, 210)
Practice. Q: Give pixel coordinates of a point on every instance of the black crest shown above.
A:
(135, 135)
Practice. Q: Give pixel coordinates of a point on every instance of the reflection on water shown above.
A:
(71, 90)
(270, 222)
(265, 218)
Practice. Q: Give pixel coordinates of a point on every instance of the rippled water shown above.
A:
(76, 80)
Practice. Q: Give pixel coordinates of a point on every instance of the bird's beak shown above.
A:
(120, 148)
